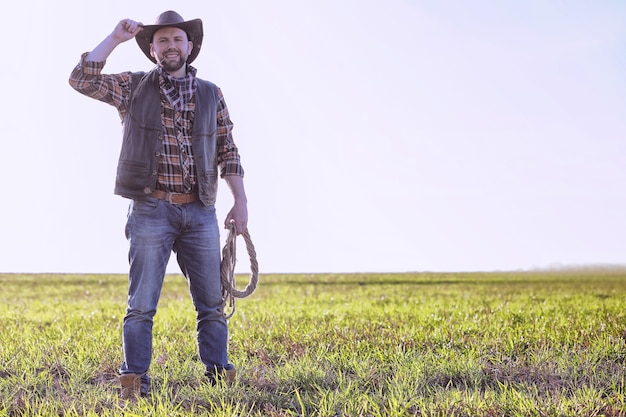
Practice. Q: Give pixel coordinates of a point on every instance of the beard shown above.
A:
(173, 65)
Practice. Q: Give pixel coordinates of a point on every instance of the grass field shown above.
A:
(472, 344)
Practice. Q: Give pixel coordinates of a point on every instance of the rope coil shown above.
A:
(229, 260)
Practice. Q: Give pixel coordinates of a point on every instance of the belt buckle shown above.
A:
(169, 198)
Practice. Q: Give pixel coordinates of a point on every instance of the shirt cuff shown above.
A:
(91, 67)
(231, 168)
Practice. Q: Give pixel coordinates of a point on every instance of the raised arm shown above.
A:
(126, 29)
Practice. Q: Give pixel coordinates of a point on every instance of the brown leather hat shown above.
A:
(171, 19)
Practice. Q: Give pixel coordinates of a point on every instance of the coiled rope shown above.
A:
(229, 260)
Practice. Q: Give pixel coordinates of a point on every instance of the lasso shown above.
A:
(229, 259)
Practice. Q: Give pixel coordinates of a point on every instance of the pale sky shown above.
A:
(377, 136)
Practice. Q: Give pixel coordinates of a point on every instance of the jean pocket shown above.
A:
(210, 208)
(147, 205)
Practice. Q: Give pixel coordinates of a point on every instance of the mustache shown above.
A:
(169, 51)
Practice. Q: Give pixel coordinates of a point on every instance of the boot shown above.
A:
(131, 386)
(226, 375)
(229, 376)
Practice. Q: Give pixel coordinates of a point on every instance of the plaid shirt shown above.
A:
(177, 171)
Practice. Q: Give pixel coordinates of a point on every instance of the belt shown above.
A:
(175, 198)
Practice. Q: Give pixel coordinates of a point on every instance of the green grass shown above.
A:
(466, 344)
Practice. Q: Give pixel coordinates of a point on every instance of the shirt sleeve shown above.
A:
(113, 89)
(227, 153)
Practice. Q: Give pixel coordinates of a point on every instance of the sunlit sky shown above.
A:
(377, 136)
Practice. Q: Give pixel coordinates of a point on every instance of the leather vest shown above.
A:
(142, 141)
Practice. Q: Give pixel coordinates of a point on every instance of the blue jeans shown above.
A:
(154, 229)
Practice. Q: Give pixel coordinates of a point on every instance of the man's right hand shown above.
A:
(126, 29)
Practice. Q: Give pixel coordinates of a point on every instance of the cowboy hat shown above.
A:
(171, 19)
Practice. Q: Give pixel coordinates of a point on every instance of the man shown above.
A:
(177, 134)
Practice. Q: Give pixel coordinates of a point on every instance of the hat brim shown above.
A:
(192, 27)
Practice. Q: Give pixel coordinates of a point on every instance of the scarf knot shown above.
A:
(179, 91)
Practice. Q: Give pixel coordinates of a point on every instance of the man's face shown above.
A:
(170, 47)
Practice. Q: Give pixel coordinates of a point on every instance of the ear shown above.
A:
(189, 49)
(152, 53)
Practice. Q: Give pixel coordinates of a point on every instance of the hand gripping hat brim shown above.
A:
(171, 19)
